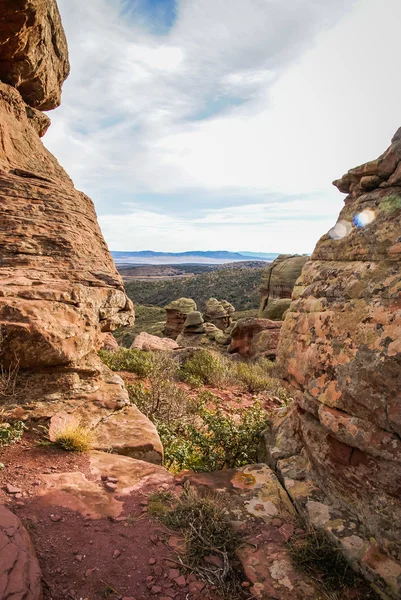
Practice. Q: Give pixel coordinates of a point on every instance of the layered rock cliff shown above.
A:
(278, 280)
(59, 288)
(340, 350)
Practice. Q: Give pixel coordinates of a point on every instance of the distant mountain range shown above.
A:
(149, 257)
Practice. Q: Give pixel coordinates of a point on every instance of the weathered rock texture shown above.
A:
(20, 575)
(33, 51)
(176, 314)
(146, 341)
(340, 349)
(255, 338)
(219, 313)
(59, 288)
(278, 280)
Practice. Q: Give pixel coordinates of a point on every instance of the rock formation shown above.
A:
(219, 312)
(255, 338)
(278, 280)
(340, 349)
(194, 332)
(33, 51)
(20, 575)
(146, 341)
(176, 314)
(59, 288)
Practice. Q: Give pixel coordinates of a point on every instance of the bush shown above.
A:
(73, 437)
(217, 440)
(134, 361)
(258, 377)
(207, 530)
(10, 433)
(206, 367)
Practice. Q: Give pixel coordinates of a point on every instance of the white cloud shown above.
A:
(237, 99)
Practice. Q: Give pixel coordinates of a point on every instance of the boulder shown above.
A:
(33, 51)
(176, 314)
(255, 338)
(88, 494)
(109, 343)
(278, 280)
(20, 575)
(59, 288)
(219, 313)
(148, 342)
(340, 350)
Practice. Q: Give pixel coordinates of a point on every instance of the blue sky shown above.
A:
(220, 124)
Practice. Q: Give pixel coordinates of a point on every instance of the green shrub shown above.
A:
(216, 440)
(259, 377)
(161, 399)
(135, 361)
(205, 525)
(10, 433)
(206, 367)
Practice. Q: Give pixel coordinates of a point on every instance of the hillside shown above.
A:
(238, 286)
(192, 257)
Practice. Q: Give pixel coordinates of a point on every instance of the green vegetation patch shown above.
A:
(134, 361)
(240, 287)
(11, 432)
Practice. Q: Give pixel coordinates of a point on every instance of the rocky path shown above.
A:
(88, 518)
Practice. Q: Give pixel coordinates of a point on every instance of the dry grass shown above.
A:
(205, 526)
(316, 554)
(73, 437)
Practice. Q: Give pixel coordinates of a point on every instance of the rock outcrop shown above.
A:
(146, 341)
(194, 332)
(33, 51)
(255, 338)
(340, 349)
(176, 314)
(20, 575)
(219, 313)
(59, 288)
(278, 280)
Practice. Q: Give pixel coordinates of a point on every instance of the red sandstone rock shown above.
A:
(33, 51)
(176, 314)
(146, 341)
(59, 288)
(340, 348)
(108, 342)
(20, 575)
(254, 337)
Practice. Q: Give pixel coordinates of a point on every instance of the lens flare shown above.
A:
(340, 230)
(364, 218)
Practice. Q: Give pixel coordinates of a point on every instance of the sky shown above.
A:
(220, 124)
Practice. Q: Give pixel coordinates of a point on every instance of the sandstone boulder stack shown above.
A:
(340, 350)
(219, 312)
(176, 314)
(278, 280)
